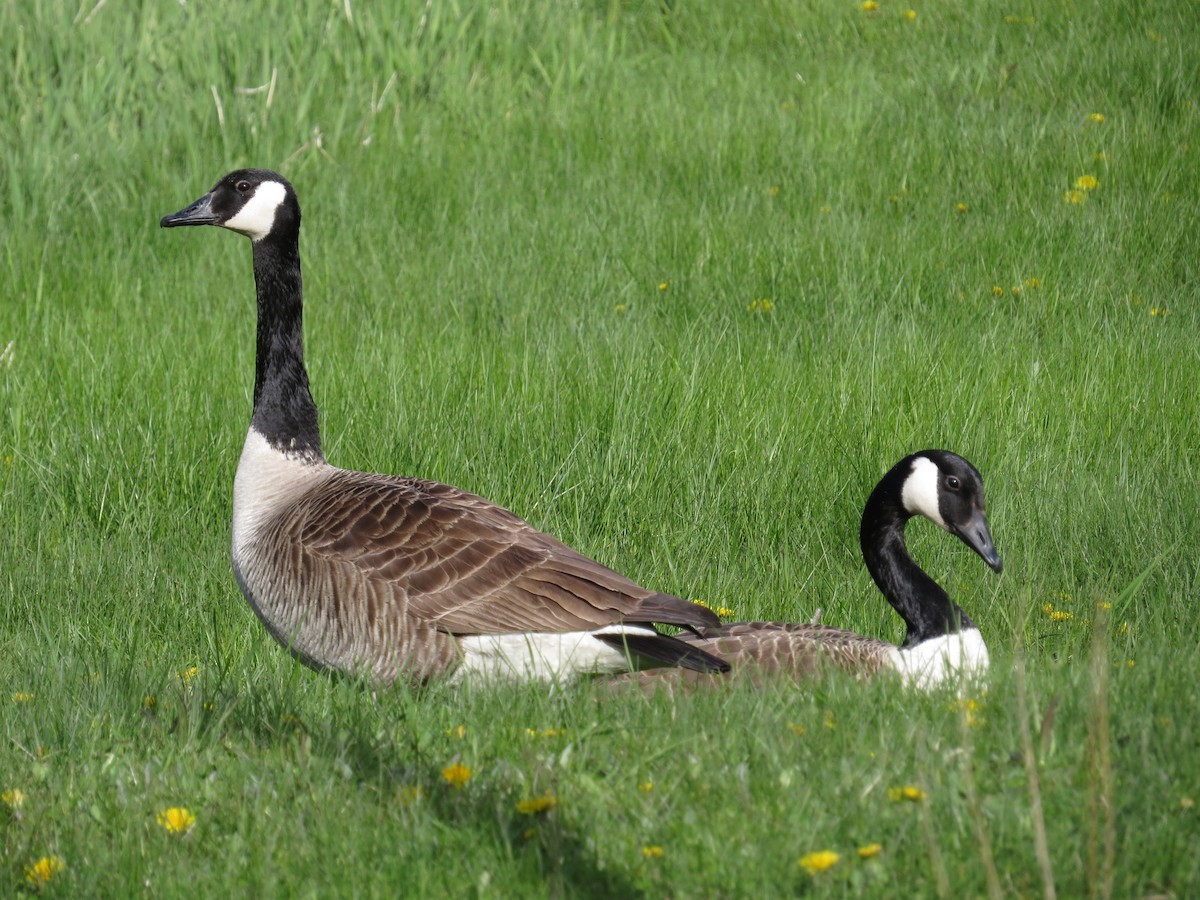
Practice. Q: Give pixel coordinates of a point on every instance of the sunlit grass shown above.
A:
(676, 283)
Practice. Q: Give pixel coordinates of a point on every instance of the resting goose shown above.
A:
(402, 578)
(941, 642)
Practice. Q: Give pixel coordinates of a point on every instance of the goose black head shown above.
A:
(948, 490)
(255, 202)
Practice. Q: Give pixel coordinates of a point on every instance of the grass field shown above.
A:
(676, 282)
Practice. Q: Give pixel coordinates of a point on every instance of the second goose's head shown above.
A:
(948, 490)
(258, 203)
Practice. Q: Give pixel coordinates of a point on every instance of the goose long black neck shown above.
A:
(927, 610)
(284, 411)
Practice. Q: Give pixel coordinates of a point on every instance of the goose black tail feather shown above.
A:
(665, 649)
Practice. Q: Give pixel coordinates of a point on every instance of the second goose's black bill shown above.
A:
(976, 535)
(199, 213)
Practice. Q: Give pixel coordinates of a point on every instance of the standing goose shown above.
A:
(401, 577)
(941, 642)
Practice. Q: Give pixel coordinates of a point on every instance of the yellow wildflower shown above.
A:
(828, 723)
(908, 792)
(537, 804)
(1074, 197)
(813, 863)
(910, 14)
(827, 209)
(796, 727)
(149, 701)
(1130, 663)
(652, 851)
(870, 6)
(760, 306)
(646, 787)
(773, 190)
(189, 673)
(458, 731)
(869, 850)
(1087, 182)
(1098, 118)
(13, 798)
(22, 697)
(456, 775)
(663, 285)
(1033, 283)
(961, 207)
(177, 819)
(621, 307)
(997, 291)
(44, 869)
(1158, 311)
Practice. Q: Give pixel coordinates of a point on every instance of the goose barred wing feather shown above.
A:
(793, 651)
(439, 555)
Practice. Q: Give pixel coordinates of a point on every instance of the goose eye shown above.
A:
(953, 483)
(242, 187)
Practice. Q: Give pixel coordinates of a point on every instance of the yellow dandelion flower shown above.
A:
(870, 6)
(1033, 283)
(773, 190)
(1087, 182)
(1061, 615)
(910, 14)
(189, 673)
(1103, 604)
(149, 701)
(828, 723)
(177, 819)
(13, 798)
(544, 733)
(535, 805)
(997, 291)
(1016, 289)
(621, 307)
(646, 787)
(663, 285)
(797, 728)
(1130, 663)
(1158, 311)
(456, 775)
(908, 792)
(961, 207)
(44, 869)
(869, 851)
(1074, 197)
(652, 851)
(819, 861)
(458, 731)
(22, 697)
(1124, 629)
(760, 306)
(1098, 118)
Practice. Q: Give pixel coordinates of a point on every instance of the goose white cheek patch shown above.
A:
(920, 492)
(257, 217)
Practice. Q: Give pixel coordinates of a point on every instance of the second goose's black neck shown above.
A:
(284, 411)
(927, 610)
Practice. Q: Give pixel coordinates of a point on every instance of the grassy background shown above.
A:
(535, 236)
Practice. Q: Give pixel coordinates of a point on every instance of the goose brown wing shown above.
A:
(464, 564)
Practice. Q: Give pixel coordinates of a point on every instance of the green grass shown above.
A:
(494, 194)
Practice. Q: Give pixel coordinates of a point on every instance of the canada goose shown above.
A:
(402, 577)
(941, 642)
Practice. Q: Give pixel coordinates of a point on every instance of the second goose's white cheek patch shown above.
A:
(920, 492)
(257, 217)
